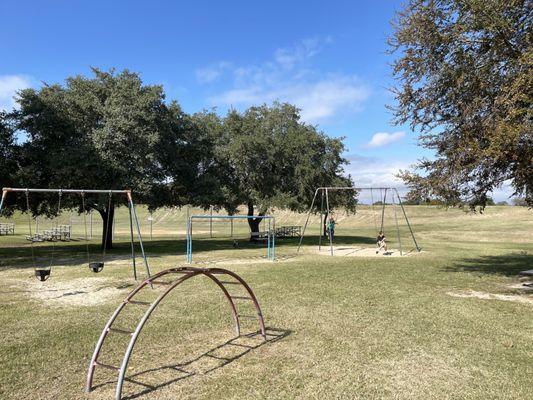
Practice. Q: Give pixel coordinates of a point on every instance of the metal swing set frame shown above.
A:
(324, 201)
(132, 218)
(271, 237)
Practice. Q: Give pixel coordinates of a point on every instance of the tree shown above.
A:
(267, 157)
(8, 151)
(108, 131)
(465, 81)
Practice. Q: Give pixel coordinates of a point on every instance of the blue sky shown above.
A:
(329, 58)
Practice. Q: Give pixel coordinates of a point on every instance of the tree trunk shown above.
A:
(107, 232)
(253, 223)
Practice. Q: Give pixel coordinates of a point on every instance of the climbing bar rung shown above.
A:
(140, 303)
(230, 283)
(106, 366)
(118, 330)
(241, 298)
(249, 316)
(218, 357)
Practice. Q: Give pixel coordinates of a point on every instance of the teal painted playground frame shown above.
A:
(271, 236)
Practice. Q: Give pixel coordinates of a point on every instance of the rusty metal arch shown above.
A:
(184, 274)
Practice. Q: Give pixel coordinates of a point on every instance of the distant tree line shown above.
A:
(110, 130)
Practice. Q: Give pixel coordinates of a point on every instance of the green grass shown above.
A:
(349, 327)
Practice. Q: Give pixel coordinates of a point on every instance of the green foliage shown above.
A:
(464, 79)
(271, 158)
(109, 131)
(8, 149)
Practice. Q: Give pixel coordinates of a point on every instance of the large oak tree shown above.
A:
(465, 80)
(267, 157)
(109, 131)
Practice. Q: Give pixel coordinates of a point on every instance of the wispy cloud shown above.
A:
(381, 139)
(9, 86)
(307, 48)
(212, 72)
(375, 171)
(288, 77)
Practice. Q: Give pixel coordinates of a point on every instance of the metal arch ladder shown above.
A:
(183, 273)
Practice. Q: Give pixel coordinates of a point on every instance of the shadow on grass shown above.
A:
(203, 363)
(506, 265)
(75, 252)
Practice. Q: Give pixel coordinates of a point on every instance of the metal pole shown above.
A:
(139, 234)
(307, 220)
(321, 227)
(328, 211)
(231, 224)
(407, 220)
(397, 226)
(151, 225)
(78, 191)
(113, 227)
(268, 240)
(211, 223)
(91, 222)
(188, 239)
(188, 212)
(274, 239)
(4, 195)
(132, 243)
(383, 209)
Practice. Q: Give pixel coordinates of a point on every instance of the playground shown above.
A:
(450, 321)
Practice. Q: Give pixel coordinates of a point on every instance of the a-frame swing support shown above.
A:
(324, 193)
(131, 207)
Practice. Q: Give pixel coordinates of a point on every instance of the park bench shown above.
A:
(288, 231)
(7, 228)
(61, 233)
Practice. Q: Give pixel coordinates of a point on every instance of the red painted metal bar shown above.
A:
(188, 272)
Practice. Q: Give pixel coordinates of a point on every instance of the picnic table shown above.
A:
(288, 231)
(60, 232)
(7, 228)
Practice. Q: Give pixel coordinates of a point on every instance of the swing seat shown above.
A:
(96, 266)
(42, 274)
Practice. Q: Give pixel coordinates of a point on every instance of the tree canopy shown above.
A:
(465, 81)
(111, 131)
(267, 157)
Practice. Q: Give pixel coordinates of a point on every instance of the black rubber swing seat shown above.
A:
(42, 274)
(96, 266)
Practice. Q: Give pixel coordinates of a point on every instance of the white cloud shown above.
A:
(384, 138)
(318, 100)
(288, 78)
(376, 172)
(212, 72)
(307, 48)
(9, 86)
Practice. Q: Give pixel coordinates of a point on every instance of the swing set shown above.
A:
(382, 193)
(42, 272)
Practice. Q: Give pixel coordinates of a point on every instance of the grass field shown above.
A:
(451, 322)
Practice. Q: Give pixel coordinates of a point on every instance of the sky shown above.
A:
(327, 57)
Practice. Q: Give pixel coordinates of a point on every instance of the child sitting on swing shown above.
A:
(382, 244)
